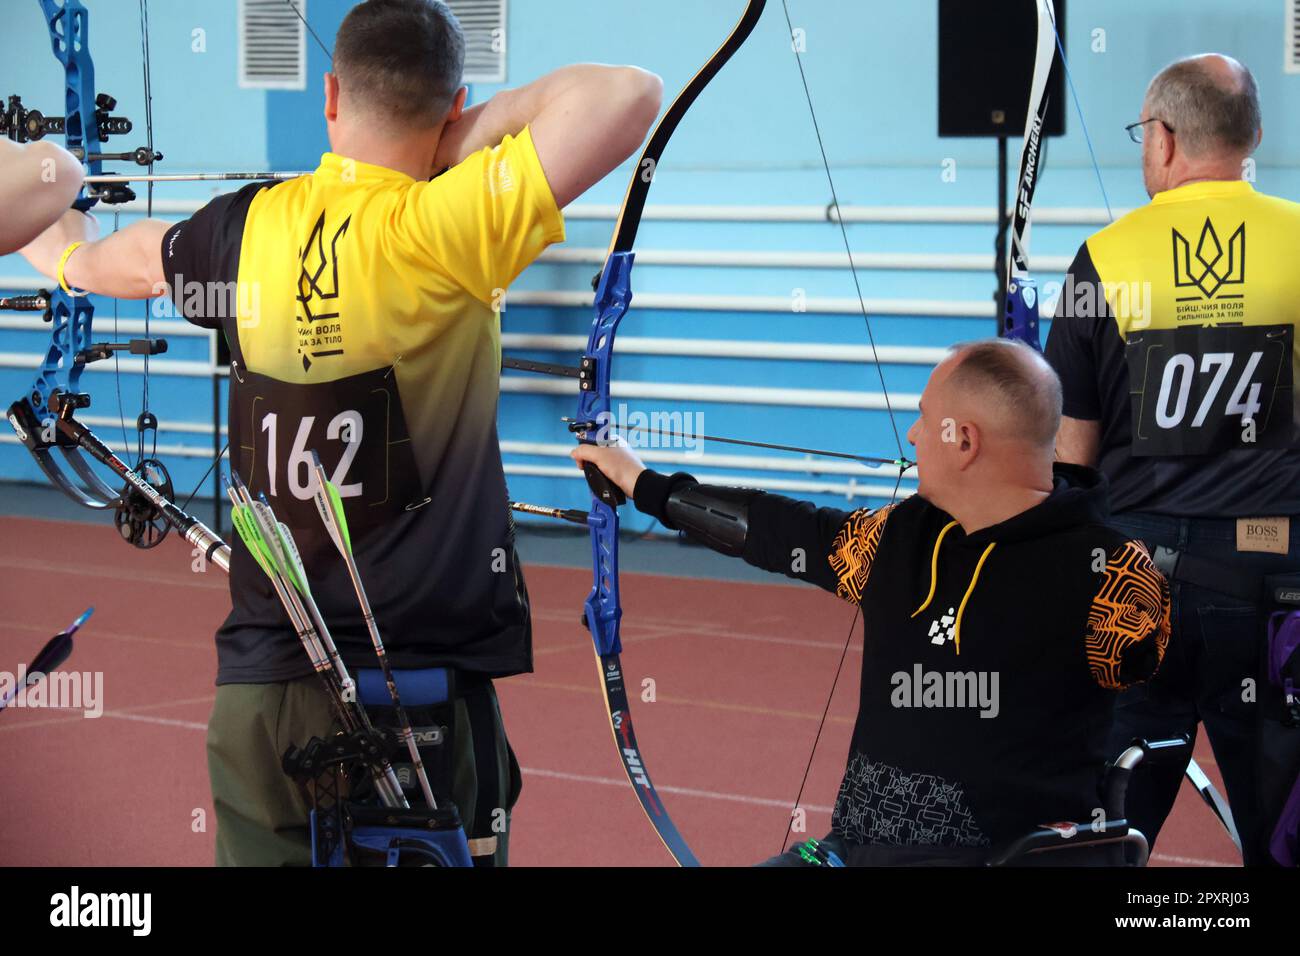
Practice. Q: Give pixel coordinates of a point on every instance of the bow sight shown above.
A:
(29, 126)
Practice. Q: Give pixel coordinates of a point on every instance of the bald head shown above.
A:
(1009, 389)
(1211, 103)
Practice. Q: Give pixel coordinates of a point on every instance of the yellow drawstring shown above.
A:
(934, 567)
(956, 631)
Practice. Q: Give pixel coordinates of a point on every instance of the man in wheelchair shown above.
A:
(1001, 616)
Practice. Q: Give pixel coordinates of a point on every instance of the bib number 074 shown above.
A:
(1176, 389)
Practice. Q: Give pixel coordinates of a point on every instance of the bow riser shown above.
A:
(69, 27)
(613, 298)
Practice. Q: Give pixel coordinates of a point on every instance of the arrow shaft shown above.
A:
(571, 515)
(902, 463)
(335, 525)
(108, 178)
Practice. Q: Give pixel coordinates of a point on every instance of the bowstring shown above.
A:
(315, 36)
(844, 653)
(1078, 108)
(117, 221)
(146, 59)
(893, 423)
(117, 360)
(844, 232)
(148, 126)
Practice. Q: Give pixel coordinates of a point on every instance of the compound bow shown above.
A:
(44, 418)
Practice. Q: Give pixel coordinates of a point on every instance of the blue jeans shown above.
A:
(1215, 647)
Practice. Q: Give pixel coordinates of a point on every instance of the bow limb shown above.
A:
(1020, 314)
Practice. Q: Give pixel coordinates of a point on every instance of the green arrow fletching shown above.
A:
(252, 538)
(336, 502)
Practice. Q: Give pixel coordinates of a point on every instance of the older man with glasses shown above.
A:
(1178, 370)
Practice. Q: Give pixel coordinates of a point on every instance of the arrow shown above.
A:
(57, 650)
(329, 505)
(108, 178)
(270, 543)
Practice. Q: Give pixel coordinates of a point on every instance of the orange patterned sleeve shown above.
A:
(1128, 623)
(854, 551)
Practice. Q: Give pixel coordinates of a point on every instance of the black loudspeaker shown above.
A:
(986, 64)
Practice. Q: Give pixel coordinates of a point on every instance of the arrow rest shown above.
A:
(136, 518)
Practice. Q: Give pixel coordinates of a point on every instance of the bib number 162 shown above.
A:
(347, 427)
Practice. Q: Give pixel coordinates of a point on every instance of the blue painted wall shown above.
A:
(871, 66)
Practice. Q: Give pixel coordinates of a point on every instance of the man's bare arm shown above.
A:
(38, 182)
(1078, 441)
(585, 120)
(125, 265)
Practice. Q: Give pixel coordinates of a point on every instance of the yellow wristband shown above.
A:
(63, 262)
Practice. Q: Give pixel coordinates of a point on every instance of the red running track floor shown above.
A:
(740, 675)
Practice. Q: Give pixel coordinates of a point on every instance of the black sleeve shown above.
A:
(204, 250)
(784, 535)
(1072, 343)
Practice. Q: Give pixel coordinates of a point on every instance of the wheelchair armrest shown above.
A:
(1068, 837)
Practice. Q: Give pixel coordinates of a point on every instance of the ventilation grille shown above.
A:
(1293, 36)
(272, 45)
(484, 23)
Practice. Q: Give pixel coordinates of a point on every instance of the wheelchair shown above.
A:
(1111, 842)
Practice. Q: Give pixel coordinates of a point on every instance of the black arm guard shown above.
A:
(713, 515)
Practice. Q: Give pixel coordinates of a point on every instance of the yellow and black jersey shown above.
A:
(362, 312)
(1176, 331)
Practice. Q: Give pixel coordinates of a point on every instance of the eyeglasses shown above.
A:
(1135, 130)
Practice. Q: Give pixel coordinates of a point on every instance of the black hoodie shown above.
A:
(991, 660)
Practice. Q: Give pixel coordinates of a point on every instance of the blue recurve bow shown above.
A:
(592, 422)
(603, 611)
